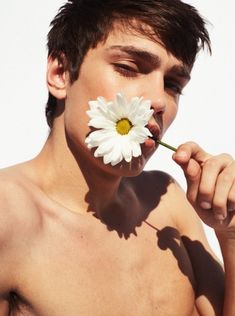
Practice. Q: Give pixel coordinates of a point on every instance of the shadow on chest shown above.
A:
(136, 273)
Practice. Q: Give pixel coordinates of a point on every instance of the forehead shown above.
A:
(130, 40)
(126, 32)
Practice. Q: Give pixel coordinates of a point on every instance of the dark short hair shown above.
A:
(82, 24)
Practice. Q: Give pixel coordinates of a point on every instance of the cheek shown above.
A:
(76, 126)
(169, 116)
(100, 81)
(75, 117)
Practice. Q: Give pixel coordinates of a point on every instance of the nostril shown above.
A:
(159, 105)
(157, 111)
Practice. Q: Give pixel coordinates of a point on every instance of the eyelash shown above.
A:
(173, 86)
(129, 72)
(125, 70)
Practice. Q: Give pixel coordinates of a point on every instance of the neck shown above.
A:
(75, 180)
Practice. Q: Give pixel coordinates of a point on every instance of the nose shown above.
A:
(158, 104)
(156, 93)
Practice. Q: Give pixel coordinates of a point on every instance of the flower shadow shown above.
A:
(148, 192)
(148, 188)
(207, 272)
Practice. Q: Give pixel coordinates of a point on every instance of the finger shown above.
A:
(231, 198)
(190, 150)
(211, 177)
(222, 197)
(231, 195)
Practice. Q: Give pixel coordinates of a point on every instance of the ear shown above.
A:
(56, 78)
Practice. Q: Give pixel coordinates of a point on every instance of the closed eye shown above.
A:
(126, 70)
(173, 87)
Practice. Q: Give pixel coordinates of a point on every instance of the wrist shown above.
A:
(225, 235)
(226, 241)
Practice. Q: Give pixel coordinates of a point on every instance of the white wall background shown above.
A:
(207, 110)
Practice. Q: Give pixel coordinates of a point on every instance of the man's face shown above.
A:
(134, 65)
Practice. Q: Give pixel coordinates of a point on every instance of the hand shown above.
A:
(210, 185)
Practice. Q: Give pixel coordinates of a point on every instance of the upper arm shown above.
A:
(5, 260)
(11, 211)
(19, 220)
(4, 307)
(208, 272)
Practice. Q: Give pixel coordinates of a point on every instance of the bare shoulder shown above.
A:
(18, 208)
(181, 217)
(18, 223)
(161, 190)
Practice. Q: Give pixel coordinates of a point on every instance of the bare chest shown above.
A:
(75, 273)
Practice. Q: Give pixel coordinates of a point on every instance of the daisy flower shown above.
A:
(120, 128)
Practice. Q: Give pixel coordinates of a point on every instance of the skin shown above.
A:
(133, 244)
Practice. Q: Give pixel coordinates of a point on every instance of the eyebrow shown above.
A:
(181, 71)
(177, 70)
(138, 53)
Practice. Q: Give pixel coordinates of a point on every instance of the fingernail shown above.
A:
(219, 217)
(205, 205)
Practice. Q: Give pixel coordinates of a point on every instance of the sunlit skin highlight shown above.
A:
(79, 236)
(127, 62)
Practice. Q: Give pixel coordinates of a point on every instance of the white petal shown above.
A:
(104, 116)
(115, 156)
(107, 158)
(136, 149)
(146, 103)
(113, 116)
(116, 160)
(141, 131)
(101, 135)
(117, 115)
(93, 105)
(126, 149)
(94, 113)
(121, 104)
(104, 148)
(137, 138)
(101, 123)
(101, 109)
(121, 99)
(106, 110)
(134, 106)
(96, 138)
(102, 102)
(142, 117)
(87, 141)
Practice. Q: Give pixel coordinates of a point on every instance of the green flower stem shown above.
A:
(166, 145)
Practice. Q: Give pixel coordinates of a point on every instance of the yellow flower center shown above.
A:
(123, 126)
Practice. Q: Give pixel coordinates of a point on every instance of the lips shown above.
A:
(155, 131)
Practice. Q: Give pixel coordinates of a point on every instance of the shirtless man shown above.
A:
(80, 237)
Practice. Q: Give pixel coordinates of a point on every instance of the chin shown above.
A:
(125, 169)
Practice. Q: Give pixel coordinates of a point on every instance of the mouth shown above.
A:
(155, 131)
